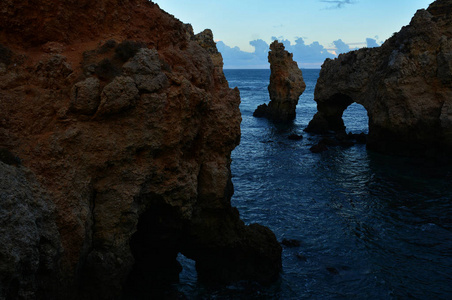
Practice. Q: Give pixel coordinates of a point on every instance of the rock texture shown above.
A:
(29, 240)
(405, 86)
(125, 123)
(286, 86)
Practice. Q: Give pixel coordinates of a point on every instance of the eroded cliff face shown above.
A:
(286, 86)
(405, 86)
(29, 243)
(126, 120)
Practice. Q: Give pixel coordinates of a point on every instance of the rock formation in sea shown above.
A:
(405, 85)
(286, 86)
(116, 129)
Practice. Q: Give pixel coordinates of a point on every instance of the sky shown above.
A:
(311, 29)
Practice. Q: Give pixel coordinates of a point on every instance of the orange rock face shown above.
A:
(127, 122)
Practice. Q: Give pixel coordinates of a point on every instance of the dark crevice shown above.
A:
(334, 109)
(155, 246)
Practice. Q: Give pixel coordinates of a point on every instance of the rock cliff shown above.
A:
(286, 86)
(29, 244)
(405, 85)
(116, 129)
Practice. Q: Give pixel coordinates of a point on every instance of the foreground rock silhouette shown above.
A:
(286, 86)
(405, 86)
(117, 125)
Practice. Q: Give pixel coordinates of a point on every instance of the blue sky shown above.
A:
(312, 29)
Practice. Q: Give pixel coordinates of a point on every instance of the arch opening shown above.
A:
(188, 273)
(356, 119)
(155, 247)
(329, 115)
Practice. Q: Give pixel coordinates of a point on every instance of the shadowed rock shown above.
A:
(130, 141)
(405, 85)
(295, 137)
(29, 241)
(318, 148)
(286, 86)
(85, 96)
(118, 95)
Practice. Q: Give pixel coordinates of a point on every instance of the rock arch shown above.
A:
(329, 115)
(222, 247)
(405, 86)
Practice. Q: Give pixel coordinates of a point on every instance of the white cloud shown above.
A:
(372, 43)
(306, 55)
(342, 47)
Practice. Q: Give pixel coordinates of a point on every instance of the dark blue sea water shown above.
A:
(370, 226)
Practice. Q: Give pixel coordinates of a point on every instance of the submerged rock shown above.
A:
(332, 270)
(301, 257)
(290, 243)
(318, 148)
(405, 85)
(286, 86)
(261, 111)
(130, 141)
(295, 137)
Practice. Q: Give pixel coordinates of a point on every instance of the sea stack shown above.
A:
(286, 86)
(116, 131)
(405, 85)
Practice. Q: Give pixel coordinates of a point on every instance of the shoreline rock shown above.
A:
(405, 85)
(286, 86)
(127, 122)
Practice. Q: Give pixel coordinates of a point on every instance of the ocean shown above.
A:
(368, 225)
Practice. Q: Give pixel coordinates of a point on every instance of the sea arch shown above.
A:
(330, 112)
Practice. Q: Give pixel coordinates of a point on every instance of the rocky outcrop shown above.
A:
(405, 86)
(126, 124)
(29, 240)
(286, 86)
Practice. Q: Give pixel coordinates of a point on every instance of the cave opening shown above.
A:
(155, 247)
(188, 275)
(355, 118)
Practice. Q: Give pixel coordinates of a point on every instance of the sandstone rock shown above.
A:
(205, 40)
(145, 68)
(145, 62)
(118, 96)
(261, 111)
(53, 71)
(286, 85)
(85, 96)
(150, 84)
(405, 86)
(148, 176)
(53, 47)
(8, 158)
(29, 240)
(5, 55)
